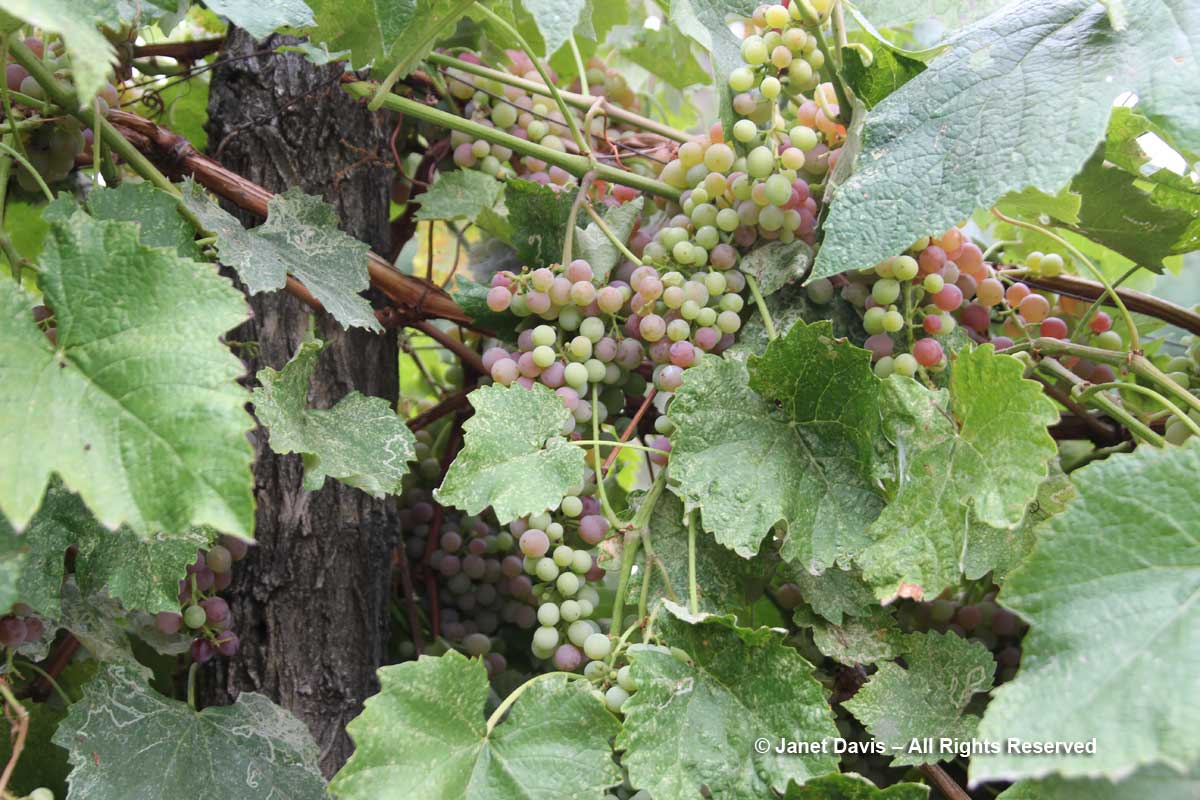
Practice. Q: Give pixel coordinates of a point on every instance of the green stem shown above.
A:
(385, 87)
(613, 443)
(609, 514)
(768, 323)
(572, 123)
(632, 542)
(612, 237)
(580, 101)
(1134, 342)
(49, 679)
(583, 81)
(576, 165)
(693, 598)
(1095, 306)
(585, 184)
(501, 709)
(812, 21)
(24, 162)
(6, 98)
(191, 690)
(1142, 390)
(1135, 426)
(647, 563)
(620, 645)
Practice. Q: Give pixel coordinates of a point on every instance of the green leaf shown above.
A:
(385, 33)
(722, 583)
(776, 264)
(555, 19)
(155, 212)
(1135, 585)
(667, 54)
(459, 194)
(137, 406)
(835, 593)
(858, 640)
(125, 740)
(707, 23)
(300, 237)
(849, 786)
(931, 149)
(100, 625)
(981, 449)
(514, 457)
(1159, 783)
(951, 13)
(886, 73)
(538, 215)
(693, 724)
(262, 17)
(553, 744)
(92, 57)
(597, 249)
(789, 304)
(1033, 203)
(927, 697)
(360, 441)
(788, 440)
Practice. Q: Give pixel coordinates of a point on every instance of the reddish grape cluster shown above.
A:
(205, 615)
(19, 626)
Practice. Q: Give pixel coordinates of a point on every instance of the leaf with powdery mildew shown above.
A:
(459, 194)
(693, 723)
(424, 735)
(137, 405)
(125, 741)
(849, 786)
(857, 640)
(262, 17)
(925, 698)
(789, 439)
(301, 238)
(597, 249)
(555, 20)
(1117, 574)
(515, 457)
(776, 264)
(1148, 783)
(360, 441)
(979, 451)
(945, 143)
(385, 33)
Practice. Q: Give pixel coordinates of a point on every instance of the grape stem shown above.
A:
(583, 81)
(1106, 404)
(16, 262)
(1084, 392)
(1134, 342)
(22, 726)
(585, 183)
(46, 676)
(768, 323)
(24, 162)
(191, 690)
(632, 542)
(631, 427)
(1095, 306)
(503, 708)
(612, 237)
(612, 443)
(572, 123)
(580, 101)
(812, 21)
(595, 442)
(576, 165)
(693, 598)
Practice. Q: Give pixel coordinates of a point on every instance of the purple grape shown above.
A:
(215, 609)
(168, 622)
(12, 631)
(567, 657)
(227, 643)
(593, 528)
(237, 547)
(202, 651)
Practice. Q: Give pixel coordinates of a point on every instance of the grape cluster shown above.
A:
(19, 626)
(205, 615)
(52, 147)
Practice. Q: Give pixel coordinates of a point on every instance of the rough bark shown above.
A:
(311, 600)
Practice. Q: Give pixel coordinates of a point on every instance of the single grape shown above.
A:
(202, 651)
(216, 610)
(194, 616)
(227, 643)
(567, 658)
(597, 646)
(168, 622)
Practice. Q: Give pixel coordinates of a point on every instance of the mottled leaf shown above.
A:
(538, 215)
(263, 17)
(1158, 783)
(389, 34)
(514, 457)
(667, 54)
(886, 73)
(858, 640)
(594, 246)
(849, 786)
(360, 441)
(1110, 596)
(459, 194)
(776, 264)
(555, 19)
(424, 735)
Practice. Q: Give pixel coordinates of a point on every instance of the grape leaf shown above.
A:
(835, 593)
(749, 462)
(926, 698)
(538, 215)
(553, 744)
(667, 54)
(951, 13)
(693, 724)
(849, 786)
(1159, 783)
(597, 249)
(300, 237)
(858, 640)
(389, 34)
(722, 583)
(707, 22)
(514, 457)
(776, 264)
(555, 19)
(788, 305)
(984, 448)
(1032, 203)
(360, 441)
(931, 148)
(262, 17)
(459, 194)
(125, 740)
(1137, 585)
(155, 212)
(92, 57)
(137, 406)
(886, 73)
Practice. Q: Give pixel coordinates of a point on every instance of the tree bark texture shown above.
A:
(310, 601)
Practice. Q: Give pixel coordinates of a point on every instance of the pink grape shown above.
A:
(927, 352)
(593, 528)
(534, 543)
(567, 658)
(499, 298)
(949, 298)
(880, 345)
(1054, 328)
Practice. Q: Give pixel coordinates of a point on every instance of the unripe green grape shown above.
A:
(781, 56)
(567, 584)
(904, 364)
(544, 356)
(563, 555)
(592, 328)
(1051, 265)
(569, 610)
(543, 334)
(673, 297)
(545, 638)
(706, 317)
(708, 236)
(569, 317)
(873, 320)
(933, 283)
(682, 252)
(597, 646)
(575, 375)
(719, 157)
(678, 330)
(580, 630)
(194, 617)
(741, 79)
(690, 154)
(893, 321)
(770, 218)
(778, 190)
(1109, 340)
(744, 130)
(905, 268)
(699, 195)
(596, 370)
(548, 614)
(704, 214)
(546, 570)
(885, 366)
(537, 130)
(816, 59)
(615, 698)
(695, 174)
(580, 348)
(581, 562)
(716, 283)
(885, 291)
(673, 174)
(672, 236)
(571, 506)
(761, 162)
(727, 219)
(794, 38)
(732, 302)
(699, 256)
(776, 16)
(800, 71)
(792, 159)
(490, 165)
(729, 322)
(770, 87)
(504, 115)
(754, 50)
